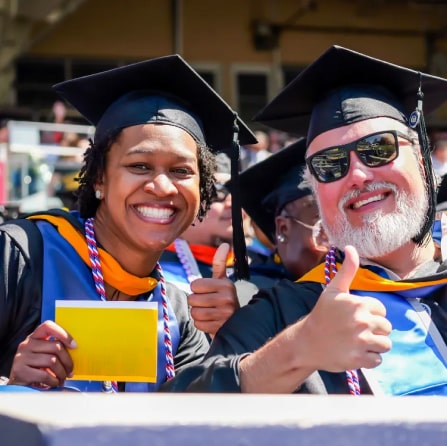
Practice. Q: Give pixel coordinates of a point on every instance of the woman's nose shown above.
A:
(161, 184)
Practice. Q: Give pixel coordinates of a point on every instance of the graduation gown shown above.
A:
(270, 312)
(21, 291)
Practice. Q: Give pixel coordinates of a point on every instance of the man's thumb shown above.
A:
(343, 279)
(220, 261)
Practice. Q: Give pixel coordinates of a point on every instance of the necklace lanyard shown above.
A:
(187, 259)
(99, 284)
(330, 270)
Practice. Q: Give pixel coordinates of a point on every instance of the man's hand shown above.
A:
(342, 332)
(345, 331)
(213, 300)
(42, 358)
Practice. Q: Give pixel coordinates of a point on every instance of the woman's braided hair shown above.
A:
(94, 166)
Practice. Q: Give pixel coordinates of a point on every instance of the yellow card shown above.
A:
(117, 340)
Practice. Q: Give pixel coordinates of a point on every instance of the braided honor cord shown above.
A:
(187, 259)
(330, 270)
(107, 386)
(99, 284)
(170, 371)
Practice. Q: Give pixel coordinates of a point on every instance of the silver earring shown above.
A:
(280, 238)
(98, 194)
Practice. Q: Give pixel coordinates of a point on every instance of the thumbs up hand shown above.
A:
(345, 331)
(213, 300)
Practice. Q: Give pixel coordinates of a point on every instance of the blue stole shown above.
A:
(67, 277)
(414, 365)
(417, 361)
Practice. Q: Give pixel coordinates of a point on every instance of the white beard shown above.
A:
(381, 232)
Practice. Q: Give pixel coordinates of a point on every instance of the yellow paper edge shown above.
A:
(109, 330)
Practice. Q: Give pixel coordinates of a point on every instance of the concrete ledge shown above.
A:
(193, 420)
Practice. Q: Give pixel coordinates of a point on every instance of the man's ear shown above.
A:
(319, 248)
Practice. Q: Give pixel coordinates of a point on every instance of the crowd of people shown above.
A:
(309, 269)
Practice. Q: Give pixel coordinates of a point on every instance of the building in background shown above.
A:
(247, 49)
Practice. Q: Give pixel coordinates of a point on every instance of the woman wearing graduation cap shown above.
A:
(146, 176)
(284, 209)
(372, 317)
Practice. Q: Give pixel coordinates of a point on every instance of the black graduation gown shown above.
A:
(268, 313)
(21, 297)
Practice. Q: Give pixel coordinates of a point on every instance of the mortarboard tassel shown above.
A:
(241, 270)
(417, 121)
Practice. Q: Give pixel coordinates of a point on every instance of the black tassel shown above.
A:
(241, 269)
(418, 121)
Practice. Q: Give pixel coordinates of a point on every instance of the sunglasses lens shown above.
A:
(330, 165)
(221, 193)
(377, 150)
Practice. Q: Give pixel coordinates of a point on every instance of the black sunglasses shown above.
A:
(375, 150)
(222, 193)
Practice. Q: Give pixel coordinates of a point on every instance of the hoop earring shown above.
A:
(98, 194)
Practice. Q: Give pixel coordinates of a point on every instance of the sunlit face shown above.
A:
(217, 225)
(150, 188)
(375, 209)
(298, 253)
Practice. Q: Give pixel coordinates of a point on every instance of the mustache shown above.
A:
(369, 188)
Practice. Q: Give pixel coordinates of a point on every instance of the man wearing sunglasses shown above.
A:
(372, 318)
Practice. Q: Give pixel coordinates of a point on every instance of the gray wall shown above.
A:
(214, 420)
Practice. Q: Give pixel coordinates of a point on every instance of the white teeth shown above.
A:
(160, 213)
(361, 203)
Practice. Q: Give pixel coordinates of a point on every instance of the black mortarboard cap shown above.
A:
(161, 90)
(267, 186)
(343, 86)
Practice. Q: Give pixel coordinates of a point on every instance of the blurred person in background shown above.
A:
(285, 213)
(253, 153)
(438, 140)
(191, 256)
